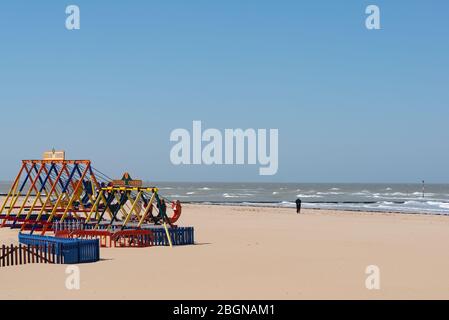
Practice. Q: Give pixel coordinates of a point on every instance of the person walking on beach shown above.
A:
(298, 205)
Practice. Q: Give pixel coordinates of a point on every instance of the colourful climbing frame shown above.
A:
(58, 190)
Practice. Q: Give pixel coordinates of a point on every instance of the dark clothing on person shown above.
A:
(298, 205)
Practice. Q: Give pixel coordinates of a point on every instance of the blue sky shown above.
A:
(351, 105)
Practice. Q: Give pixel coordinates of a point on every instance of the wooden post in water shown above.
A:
(423, 188)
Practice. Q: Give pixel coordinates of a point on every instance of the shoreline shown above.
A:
(333, 212)
(269, 204)
(364, 210)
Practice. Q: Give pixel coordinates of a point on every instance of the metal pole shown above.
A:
(423, 188)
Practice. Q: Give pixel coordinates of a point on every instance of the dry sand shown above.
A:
(261, 253)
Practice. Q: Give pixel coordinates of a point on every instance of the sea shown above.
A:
(374, 197)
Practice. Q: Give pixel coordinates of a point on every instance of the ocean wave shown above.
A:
(443, 205)
(330, 193)
(397, 198)
(384, 206)
(360, 194)
(420, 193)
(287, 204)
(395, 194)
(227, 195)
(308, 196)
(237, 195)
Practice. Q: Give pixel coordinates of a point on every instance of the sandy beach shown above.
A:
(260, 253)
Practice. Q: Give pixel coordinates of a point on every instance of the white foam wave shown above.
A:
(330, 193)
(308, 196)
(360, 194)
(227, 195)
(238, 195)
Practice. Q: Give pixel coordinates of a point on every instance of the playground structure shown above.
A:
(58, 192)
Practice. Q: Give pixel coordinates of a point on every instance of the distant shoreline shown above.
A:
(291, 206)
(261, 205)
